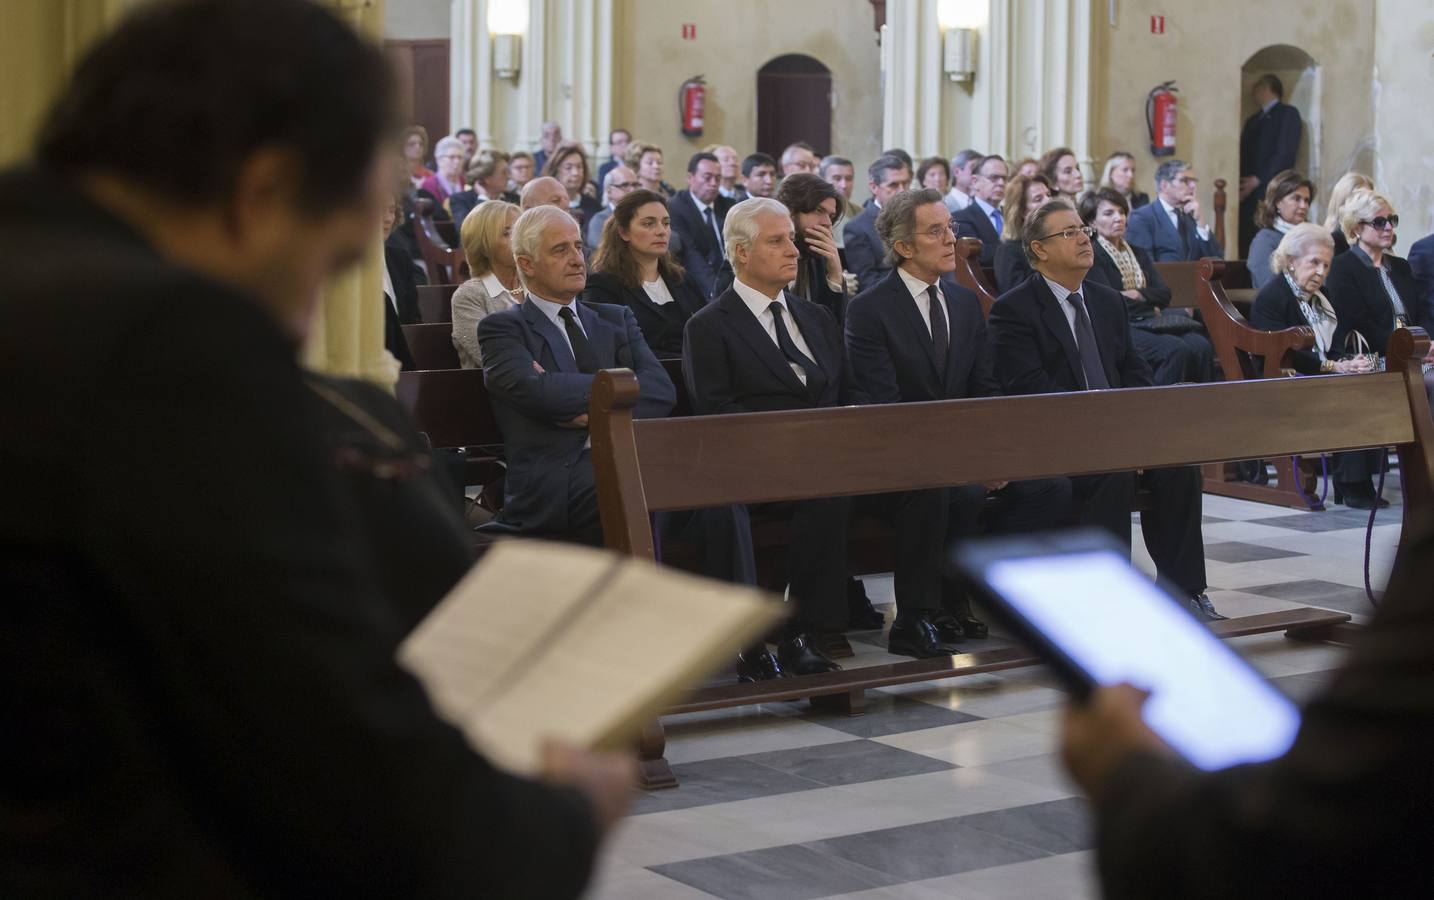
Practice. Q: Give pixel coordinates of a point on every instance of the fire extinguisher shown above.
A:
(690, 100)
(1161, 107)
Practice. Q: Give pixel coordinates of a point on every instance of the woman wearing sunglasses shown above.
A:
(1372, 290)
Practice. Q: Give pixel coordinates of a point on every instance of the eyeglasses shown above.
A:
(1379, 223)
(1188, 180)
(1070, 233)
(935, 232)
(627, 185)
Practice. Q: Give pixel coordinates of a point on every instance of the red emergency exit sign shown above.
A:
(1157, 24)
(689, 31)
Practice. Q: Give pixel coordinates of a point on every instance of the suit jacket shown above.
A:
(1275, 309)
(1151, 230)
(1154, 297)
(890, 351)
(973, 222)
(1421, 264)
(1357, 294)
(1269, 143)
(864, 251)
(732, 364)
(405, 287)
(1036, 351)
(462, 203)
(592, 231)
(701, 251)
(1011, 265)
(531, 406)
(1345, 813)
(661, 325)
(604, 169)
(200, 704)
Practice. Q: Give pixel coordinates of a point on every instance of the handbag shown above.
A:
(1360, 349)
(1171, 322)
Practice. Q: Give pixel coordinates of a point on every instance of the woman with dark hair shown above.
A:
(633, 268)
(1062, 170)
(1172, 342)
(1285, 205)
(934, 173)
(1023, 195)
(569, 165)
(816, 207)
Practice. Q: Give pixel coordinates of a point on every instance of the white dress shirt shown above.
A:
(1170, 213)
(758, 303)
(957, 199)
(388, 290)
(657, 292)
(918, 289)
(495, 289)
(989, 210)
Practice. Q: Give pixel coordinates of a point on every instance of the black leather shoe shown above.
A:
(757, 665)
(915, 635)
(948, 627)
(1358, 495)
(963, 623)
(1203, 608)
(799, 656)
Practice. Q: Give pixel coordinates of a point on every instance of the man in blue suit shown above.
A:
(982, 216)
(1269, 143)
(865, 256)
(919, 336)
(1169, 229)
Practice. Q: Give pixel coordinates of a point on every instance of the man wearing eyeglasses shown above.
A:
(982, 217)
(1170, 229)
(1054, 333)
(616, 184)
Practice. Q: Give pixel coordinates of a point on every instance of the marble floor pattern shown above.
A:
(951, 789)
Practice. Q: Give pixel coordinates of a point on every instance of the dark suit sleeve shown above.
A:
(1134, 370)
(861, 256)
(983, 381)
(509, 371)
(1343, 814)
(1421, 265)
(1352, 309)
(1016, 351)
(867, 353)
(1272, 311)
(850, 392)
(658, 393)
(603, 288)
(1139, 231)
(1011, 266)
(706, 368)
(264, 634)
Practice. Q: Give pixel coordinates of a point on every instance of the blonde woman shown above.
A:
(1348, 183)
(494, 286)
(1119, 174)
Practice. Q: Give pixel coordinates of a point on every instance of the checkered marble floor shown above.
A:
(951, 789)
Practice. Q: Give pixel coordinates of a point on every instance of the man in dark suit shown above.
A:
(865, 256)
(548, 141)
(760, 348)
(1421, 263)
(1170, 230)
(982, 217)
(1269, 143)
(759, 177)
(697, 216)
(617, 141)
(919, 336)
(1344, 813)
(201, 705)
(1054, 333)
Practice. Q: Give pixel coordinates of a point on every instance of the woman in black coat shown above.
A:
(1293, 299)
(633, 268)
(1174, 343)
(1372, 290)
(1023, 194)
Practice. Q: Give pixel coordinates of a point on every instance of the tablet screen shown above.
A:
(1116, 625)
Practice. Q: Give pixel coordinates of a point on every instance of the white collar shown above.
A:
(1271, 105)
(1060, 290)
(985, 207)
(551, 308)
(1282, 226)
(756, 301)
(495, 288)
(701, 207)
(916, 286)
(1169, 210)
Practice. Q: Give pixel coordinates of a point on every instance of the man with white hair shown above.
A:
(616, 184)
(540, 360)
(757, 348)
(798, 158)
(544, 191)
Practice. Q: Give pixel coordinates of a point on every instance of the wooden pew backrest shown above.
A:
(451, 406)
(432, 345)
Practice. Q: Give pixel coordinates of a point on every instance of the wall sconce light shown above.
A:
(958, 53)
(507, 20)
(507, 55)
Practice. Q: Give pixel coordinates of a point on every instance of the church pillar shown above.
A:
(912, 79)
(347, 334)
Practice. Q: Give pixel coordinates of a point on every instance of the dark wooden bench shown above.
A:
(432, 345)
(446, 264)
(435, 303)
(661, 464)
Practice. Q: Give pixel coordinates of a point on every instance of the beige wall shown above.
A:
(734, 39)
(416, 20)
(1204, 48)
(1404, 86)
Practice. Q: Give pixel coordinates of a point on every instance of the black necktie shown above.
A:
(790, 350)
(1185, 225)
(711, 218)
(582, 351)
(1086, 346)
(940, 336)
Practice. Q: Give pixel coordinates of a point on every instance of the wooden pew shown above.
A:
(446, 264)
(435, 303)
(432, 345)
(658, 464)
(451, 406)
(1238, 345)
(968, 267)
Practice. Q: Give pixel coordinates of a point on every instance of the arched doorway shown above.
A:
(1299, 73)
(794, 103)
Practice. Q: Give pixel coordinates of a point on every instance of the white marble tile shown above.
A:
(743, 734)
(1230, 508)
(1045, 771)
(1236, 603)
(1248, 531)
(973, 743)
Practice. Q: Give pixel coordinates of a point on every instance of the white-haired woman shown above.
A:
(494, 287)
(448, 156)
(1347, 184)
(1300, 264)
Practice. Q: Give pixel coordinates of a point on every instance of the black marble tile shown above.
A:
(891, 714)
(1059, 826)
(1238, 552)
(1332, 519)
(929, 849)
(849, 762)
(791, 872)
(1317, 593)
(1212, 520)
(724, 780)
